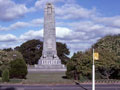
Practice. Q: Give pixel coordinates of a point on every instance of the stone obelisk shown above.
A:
(49, 46)
(49, 59)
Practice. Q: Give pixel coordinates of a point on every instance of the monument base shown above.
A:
(49, 64)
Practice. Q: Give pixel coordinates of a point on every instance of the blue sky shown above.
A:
(79, 23)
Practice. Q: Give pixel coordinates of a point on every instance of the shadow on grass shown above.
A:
(78, 84)
(7, 88)
(64, 77)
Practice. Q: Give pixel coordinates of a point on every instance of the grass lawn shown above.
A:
(12, 81)
(47, 78)
(51, 78)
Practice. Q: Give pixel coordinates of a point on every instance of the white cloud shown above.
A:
(41, 3)
(37, 22)
(61, 32)
(3, 46)
(14, 26)
(79, 46)
(10, 10)
(109, 21)
(74, 11)
(34, 23)
(86, 26)
(32, 35)
(85, 30)
(7, 38)
(110, 31)
(9, 45)
(19, 25)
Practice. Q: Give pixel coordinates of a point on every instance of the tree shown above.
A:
(63, 52)
(7, 49)
(18, 69)
(5, 75)
(110, 43)
(80, 66)
(109, 63)
(71, 69)
(6, 57)
(32, 51)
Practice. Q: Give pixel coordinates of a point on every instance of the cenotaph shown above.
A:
(49, 60)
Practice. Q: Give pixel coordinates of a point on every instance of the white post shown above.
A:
(93, 73)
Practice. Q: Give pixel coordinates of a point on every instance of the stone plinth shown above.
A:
(50, 63)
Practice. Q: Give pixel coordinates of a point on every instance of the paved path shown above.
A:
(60, 87)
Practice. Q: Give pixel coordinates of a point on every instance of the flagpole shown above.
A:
(93, 73)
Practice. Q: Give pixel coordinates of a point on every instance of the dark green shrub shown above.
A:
(5, 75)
(18, 69)
(70, 75)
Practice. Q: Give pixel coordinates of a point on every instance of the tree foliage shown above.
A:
(110, 43)
(5, 75)
(62, 52)
(6, 57)
(109, 63)
(31, 51)
(79, 67)
(8, 49)
(18, 69)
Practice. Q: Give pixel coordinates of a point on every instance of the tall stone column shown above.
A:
(49, 46)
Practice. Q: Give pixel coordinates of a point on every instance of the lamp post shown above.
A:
(93, 73)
